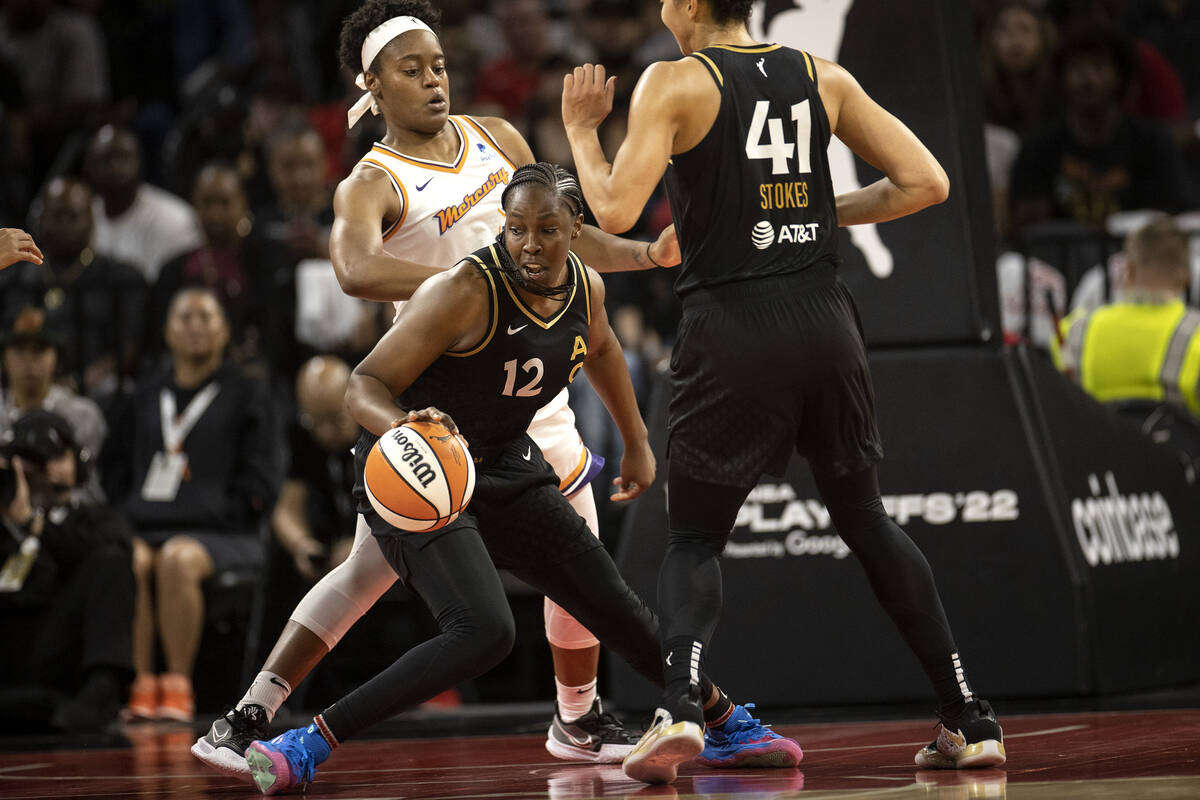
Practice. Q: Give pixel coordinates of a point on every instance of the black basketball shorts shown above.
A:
(517, 509)
(767, 366)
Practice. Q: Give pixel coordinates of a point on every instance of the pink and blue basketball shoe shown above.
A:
(743, 741)
(289, 761)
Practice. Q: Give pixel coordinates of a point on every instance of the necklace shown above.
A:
(56, 295)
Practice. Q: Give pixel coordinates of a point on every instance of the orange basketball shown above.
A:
(419, 476)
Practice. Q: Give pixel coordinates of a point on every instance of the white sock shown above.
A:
(269, 691)
(575, 701)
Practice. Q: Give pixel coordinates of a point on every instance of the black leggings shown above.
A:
(455, 577)
(701, 519)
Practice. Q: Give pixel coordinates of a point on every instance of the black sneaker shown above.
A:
(224, 746)
(596, 737)
(972, 740)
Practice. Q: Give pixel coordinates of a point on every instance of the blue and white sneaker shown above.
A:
(288, 761)
(743, 741)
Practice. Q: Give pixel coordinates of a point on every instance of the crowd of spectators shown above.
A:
(175, 161)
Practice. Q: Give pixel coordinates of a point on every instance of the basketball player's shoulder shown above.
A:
(505, 134)
(673, 86)
(364, 181)
(464, 287)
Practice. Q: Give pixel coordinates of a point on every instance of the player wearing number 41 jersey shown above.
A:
(769, 350)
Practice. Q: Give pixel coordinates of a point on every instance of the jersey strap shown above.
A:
(493, 306)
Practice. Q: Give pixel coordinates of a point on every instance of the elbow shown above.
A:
(614, 218)
(350, 279)
(936, 187)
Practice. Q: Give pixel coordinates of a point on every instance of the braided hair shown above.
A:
(566, 188)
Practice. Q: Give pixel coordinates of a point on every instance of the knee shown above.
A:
(182, 561)
(143, 560)
(489, 634)
(706, 544)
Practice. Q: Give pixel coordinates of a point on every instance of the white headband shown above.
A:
(376, 40)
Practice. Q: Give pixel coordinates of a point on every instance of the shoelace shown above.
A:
(240, 721)
(744, 728)
(299, 756)
(607, 723)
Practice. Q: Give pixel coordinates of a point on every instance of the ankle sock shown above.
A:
(267, 690)
(575, 701)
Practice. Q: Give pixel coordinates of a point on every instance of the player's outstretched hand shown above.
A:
(665, 249)
(587, 97)
(17, 245)
(637, 472)
(430, 414)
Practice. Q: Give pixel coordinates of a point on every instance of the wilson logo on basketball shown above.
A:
(452, 214)
(410, 455)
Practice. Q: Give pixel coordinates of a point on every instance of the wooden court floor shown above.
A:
(1139, 754)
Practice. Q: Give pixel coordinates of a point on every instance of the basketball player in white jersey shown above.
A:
(428, 194)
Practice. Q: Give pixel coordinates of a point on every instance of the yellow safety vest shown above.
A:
(1143, 350)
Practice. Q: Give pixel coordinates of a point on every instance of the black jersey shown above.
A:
(754, 197)
(493, 389)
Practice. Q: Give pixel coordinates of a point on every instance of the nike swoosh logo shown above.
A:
(528, 453)
(423, 185)
(586, 741)
(512, 330)
(222, 736)
(669, 658)
(279, 683)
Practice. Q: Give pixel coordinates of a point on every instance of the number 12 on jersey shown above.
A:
(778, 148)
(532, 367)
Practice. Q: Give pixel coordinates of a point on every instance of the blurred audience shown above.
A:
(98, 300)
(136, 222)
(314, 519)
(228, 262)
(66, 588)
(1096, 159)
(197, 475)
(30, 354)
(1016, 62)
(61, 58)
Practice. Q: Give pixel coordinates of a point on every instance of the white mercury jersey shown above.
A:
(447, 210)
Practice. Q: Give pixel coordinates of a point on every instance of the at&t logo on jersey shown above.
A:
(763, 235)
(452, 214)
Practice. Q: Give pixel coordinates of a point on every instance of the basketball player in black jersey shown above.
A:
(769, 351)
(477, 348)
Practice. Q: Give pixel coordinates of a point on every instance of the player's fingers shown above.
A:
(610, 87)
(628, 492)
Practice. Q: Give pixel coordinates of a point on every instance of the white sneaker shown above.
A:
(667, 744)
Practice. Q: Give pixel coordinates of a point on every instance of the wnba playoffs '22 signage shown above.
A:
(775, 523)
(1115, 528)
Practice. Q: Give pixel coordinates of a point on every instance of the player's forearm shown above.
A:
(596, 180)
(381, 277)
(885, 200)
(371, 403)
(609, 376)
(605, 252)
